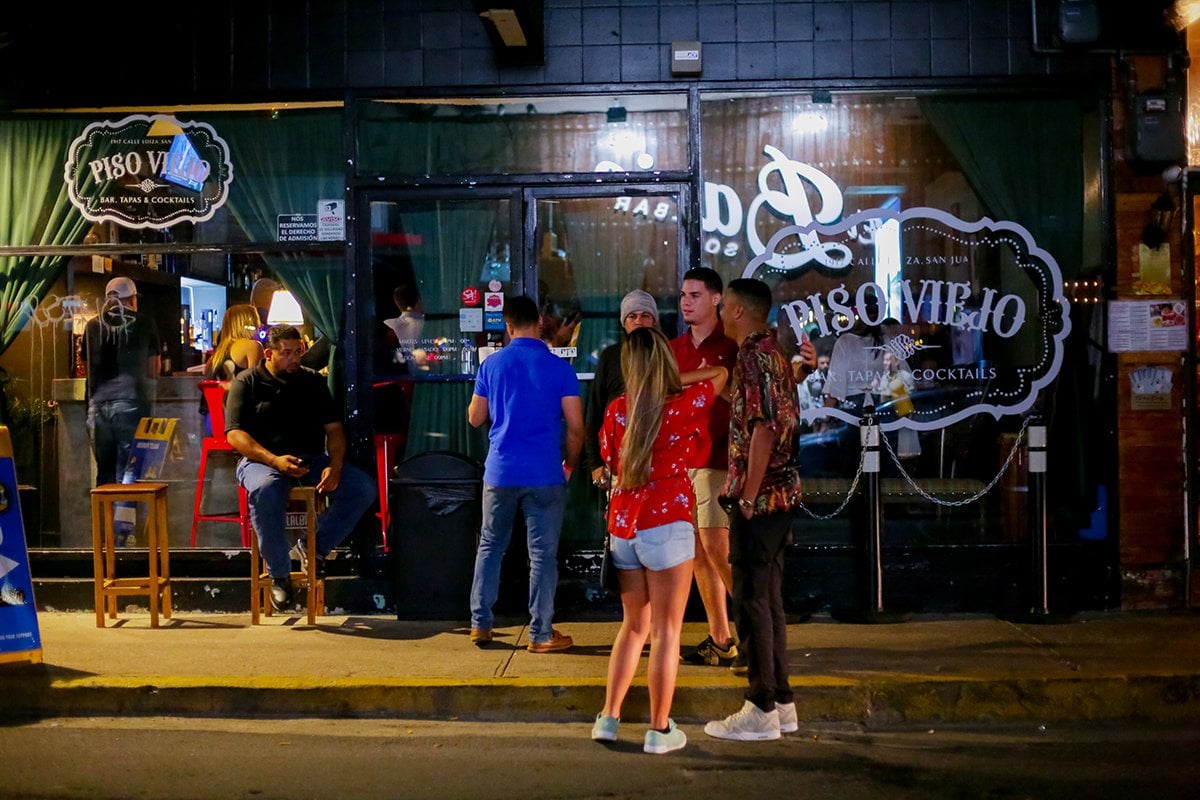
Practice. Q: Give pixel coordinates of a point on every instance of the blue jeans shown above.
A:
(267, 492)
(112, 425)
(542, 507)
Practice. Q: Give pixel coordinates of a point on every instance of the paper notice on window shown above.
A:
(1145, 325)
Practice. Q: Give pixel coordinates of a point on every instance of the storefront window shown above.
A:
(921, 248)
(468, 136)
(196, 207)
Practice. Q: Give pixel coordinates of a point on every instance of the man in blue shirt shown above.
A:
(528, 393)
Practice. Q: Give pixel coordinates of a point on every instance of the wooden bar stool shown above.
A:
(260, 579)
(156, 585)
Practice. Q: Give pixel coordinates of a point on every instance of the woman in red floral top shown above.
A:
(646, 438)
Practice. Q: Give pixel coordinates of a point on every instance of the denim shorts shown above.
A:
(657, 548)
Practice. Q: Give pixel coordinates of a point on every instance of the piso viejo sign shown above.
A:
(148, 171)
(1022, 321)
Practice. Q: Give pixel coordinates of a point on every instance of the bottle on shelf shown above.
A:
(467, 357)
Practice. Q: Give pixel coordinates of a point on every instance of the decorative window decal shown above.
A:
(148, 171)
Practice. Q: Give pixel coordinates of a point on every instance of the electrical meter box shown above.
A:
(1156, 127)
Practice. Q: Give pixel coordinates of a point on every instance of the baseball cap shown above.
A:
(121, 287)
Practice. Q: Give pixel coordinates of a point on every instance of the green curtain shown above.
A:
(457, 236)
(34, 210)
(283, 164)
(1023, 157)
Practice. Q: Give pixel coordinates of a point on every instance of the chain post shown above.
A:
(1039, 526)
(869, 439)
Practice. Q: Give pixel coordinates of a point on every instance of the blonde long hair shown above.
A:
(651, 375)
(240, 322)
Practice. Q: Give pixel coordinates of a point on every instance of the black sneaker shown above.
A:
(320, 569)
(281, 594)
(709, 653)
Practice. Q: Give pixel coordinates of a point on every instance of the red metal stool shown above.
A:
(387, 447)
(214, 396)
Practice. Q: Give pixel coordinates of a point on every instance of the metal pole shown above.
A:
(869, 438)
(1039, 527)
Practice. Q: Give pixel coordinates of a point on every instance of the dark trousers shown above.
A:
(756, 550)
(112, 425)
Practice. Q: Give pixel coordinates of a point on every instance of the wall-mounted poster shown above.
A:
(1146, 325)
(1150, 388)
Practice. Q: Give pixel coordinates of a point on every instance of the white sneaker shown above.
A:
(787, 717)
(299, 552)
(751, 724)
(658, 743)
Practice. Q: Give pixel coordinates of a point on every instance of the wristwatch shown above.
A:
(746, 504)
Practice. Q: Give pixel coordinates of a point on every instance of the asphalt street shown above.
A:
(99, 758)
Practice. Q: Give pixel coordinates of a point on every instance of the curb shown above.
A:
(870, 702)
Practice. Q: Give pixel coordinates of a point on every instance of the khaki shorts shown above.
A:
(707, 483)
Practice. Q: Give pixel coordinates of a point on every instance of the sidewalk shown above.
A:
(963, 668)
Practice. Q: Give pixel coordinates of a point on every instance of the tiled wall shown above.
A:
(235, 50)
(627, 41)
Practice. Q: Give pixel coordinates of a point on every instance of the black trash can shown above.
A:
(436, 506)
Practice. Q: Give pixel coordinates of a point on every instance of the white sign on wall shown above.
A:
(331, 220)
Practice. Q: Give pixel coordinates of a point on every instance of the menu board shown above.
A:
(1145, 325)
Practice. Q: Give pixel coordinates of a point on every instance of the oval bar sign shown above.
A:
(932, 318)
(148, 171)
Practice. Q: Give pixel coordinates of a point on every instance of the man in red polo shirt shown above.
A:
(704, 343)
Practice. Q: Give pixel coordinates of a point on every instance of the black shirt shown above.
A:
(287, 416)
(607, 385)
(117, 346)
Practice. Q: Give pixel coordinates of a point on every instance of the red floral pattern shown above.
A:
(668, 496)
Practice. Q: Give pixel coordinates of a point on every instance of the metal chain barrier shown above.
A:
(846, 500)
(966, 500)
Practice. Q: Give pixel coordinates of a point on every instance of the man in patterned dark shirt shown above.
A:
(762, 487)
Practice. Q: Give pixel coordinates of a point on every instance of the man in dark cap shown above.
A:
(120, 348)
(638, 310)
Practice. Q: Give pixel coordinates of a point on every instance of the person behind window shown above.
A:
(647, 440)
(120, 347)
(405, 328)
(237, 348)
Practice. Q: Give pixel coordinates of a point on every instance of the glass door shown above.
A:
(432, 257)
(441, 263)
(586, 250)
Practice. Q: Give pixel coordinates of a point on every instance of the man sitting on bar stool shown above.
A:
(282, 420)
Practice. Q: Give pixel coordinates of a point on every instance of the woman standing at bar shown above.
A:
(645, 441)
(237, 348)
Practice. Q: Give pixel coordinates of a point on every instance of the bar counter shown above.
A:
(179, 397)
